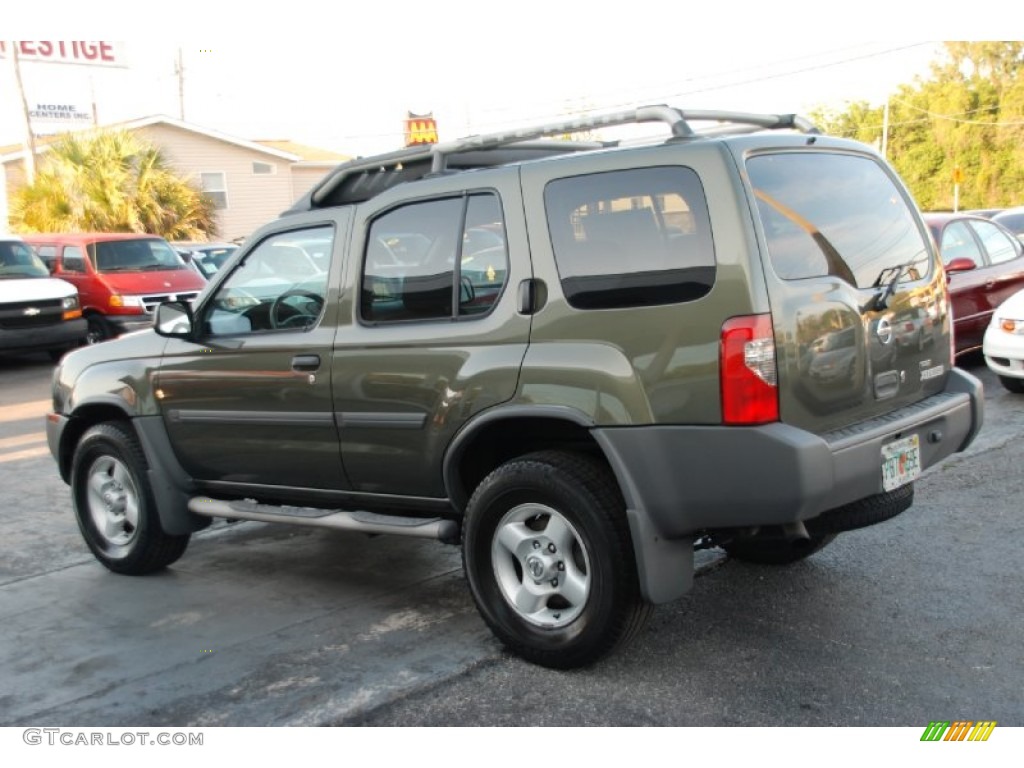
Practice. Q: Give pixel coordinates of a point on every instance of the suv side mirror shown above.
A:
(959, 265)
(173, 318)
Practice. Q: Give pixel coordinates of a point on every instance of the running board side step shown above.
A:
(446, 531)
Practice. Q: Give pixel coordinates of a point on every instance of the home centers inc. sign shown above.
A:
(51, 118)
(97, 53)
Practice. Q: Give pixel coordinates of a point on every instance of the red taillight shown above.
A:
(750, 392)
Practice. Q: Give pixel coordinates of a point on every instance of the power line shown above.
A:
(955, 119)
(607, 101)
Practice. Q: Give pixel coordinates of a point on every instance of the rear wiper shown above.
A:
(881, 299)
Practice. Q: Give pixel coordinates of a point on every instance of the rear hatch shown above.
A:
(856, 290)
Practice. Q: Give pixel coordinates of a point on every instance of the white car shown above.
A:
(1003, 346)
(37, 312)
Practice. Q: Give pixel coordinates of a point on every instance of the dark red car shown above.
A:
(985, 265)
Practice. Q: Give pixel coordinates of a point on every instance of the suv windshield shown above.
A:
(17, 261)
(139, 255)
(855, 225)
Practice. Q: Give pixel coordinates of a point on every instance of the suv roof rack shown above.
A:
(363, 178)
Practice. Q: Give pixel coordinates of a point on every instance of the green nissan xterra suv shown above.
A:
(579, 361)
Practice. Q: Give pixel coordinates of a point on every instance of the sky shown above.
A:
(343, 77)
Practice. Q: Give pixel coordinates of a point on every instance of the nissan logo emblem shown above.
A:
(884, 331)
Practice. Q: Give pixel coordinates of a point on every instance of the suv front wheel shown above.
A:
(114, 503)
(549, 559)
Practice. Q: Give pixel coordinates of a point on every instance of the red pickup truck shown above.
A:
(121, 277)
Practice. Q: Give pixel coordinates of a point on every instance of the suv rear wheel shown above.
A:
(549, 559)
(114, 503)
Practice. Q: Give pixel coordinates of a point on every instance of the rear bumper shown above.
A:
(686, 479)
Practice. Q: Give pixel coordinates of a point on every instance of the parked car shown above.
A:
(1003, 346)
(37, 311)
(985, 265)
(913, 328)
(986, 213)
(121, 277)
(205, 258)
(575, 361)
(1013, 220)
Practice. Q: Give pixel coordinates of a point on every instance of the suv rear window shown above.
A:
(834, 214)
(631, 238)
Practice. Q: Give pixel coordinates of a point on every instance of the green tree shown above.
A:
(968, 115)
(111, 181)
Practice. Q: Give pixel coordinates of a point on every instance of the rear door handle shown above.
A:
(305, 363)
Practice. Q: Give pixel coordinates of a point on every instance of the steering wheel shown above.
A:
(301, 314)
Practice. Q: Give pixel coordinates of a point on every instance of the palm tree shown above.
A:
(111, 181)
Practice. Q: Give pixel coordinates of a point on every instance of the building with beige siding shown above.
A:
(250, 181)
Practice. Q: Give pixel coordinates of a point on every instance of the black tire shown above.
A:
(1013, 385)
(114, 503)
(864, 512)
(558, 517)
(99, 329)
(771, 548)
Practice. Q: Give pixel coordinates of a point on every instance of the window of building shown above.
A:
(631, 238)
(261, 168)
(215, 186)
(438, 259)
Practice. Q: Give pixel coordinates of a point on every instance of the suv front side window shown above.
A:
(637, 237)
(436, 259)
(277, 286)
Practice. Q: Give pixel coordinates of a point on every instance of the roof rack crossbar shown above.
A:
(773, 122)
(676, 119)
(659, 113)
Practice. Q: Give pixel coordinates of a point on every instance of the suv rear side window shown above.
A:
(631, 238)
(421, 256)
(833, 214)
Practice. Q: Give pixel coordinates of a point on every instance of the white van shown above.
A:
(37, 312)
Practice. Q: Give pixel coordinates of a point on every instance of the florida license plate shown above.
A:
(901, 462)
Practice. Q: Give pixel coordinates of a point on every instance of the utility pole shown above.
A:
(179, 70)
(885, 131)
(30, 140)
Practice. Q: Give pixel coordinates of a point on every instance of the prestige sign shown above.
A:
(99, 53)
